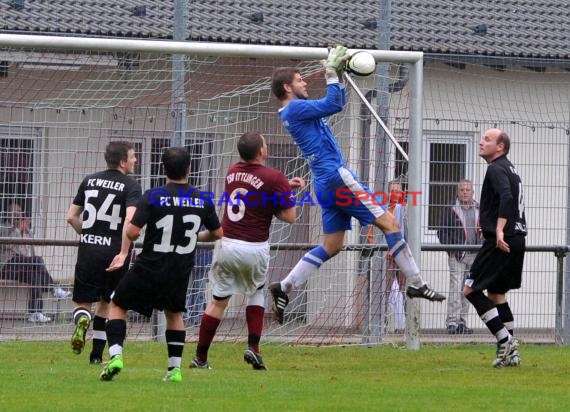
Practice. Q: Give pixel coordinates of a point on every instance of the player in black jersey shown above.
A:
(499, 263)
(104, 203)
(172, 214)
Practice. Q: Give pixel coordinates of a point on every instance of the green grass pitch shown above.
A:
(42, 376)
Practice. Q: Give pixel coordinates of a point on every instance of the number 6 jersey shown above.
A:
(104, 197)
(256, 193)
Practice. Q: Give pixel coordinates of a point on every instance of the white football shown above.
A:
(361, 63)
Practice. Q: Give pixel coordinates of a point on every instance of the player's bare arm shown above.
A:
(74, 218)
(297, 183)
(133, 232)
(287, 215)
(130, 234)
(501, 244)
(210, 235)
(119, 259)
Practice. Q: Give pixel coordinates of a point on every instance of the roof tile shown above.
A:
(514, 27)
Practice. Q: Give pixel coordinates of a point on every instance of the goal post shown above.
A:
(63, 98)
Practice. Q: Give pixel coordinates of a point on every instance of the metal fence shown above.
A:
(538, 306)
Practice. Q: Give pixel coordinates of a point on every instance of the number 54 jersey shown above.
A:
(104, 197)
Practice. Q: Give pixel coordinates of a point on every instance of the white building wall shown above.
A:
(466, 101)
(523, 103)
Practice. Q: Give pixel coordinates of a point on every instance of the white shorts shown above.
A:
(238, 267)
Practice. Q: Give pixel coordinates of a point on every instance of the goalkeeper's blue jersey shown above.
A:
(305, 121)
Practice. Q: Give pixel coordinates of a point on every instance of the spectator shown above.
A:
(19, 262)
(459, 226)
(395, 280)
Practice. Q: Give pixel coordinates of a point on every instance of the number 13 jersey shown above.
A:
(173, 215)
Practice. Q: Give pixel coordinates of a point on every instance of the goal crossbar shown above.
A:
(196, 48)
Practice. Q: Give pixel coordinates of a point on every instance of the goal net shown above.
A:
(61, 105)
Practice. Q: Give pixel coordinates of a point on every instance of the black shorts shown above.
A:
(497, 271)
(92, 283)
(143, 290)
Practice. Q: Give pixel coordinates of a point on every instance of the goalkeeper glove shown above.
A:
(335, 63)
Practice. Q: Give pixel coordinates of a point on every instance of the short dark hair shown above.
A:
(176, 162)
(282, 76)
(14, 213)
(249, 145)
(395, 182)
(503, 138)
(117, 151)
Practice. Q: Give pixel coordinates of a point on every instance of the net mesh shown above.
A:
(59, 110)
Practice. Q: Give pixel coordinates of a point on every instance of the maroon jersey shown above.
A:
(254, 193)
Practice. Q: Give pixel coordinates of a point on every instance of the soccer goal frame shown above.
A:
(414, 60)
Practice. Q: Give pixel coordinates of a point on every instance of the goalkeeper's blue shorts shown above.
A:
(343, 197)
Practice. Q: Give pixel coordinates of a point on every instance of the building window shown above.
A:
(148, 170)
(202, 160)
(448, 161)
(18, 157)
(446, 168)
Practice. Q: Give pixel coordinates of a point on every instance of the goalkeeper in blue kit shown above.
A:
(305, 120)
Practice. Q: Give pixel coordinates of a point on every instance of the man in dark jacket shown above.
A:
(459, 226)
